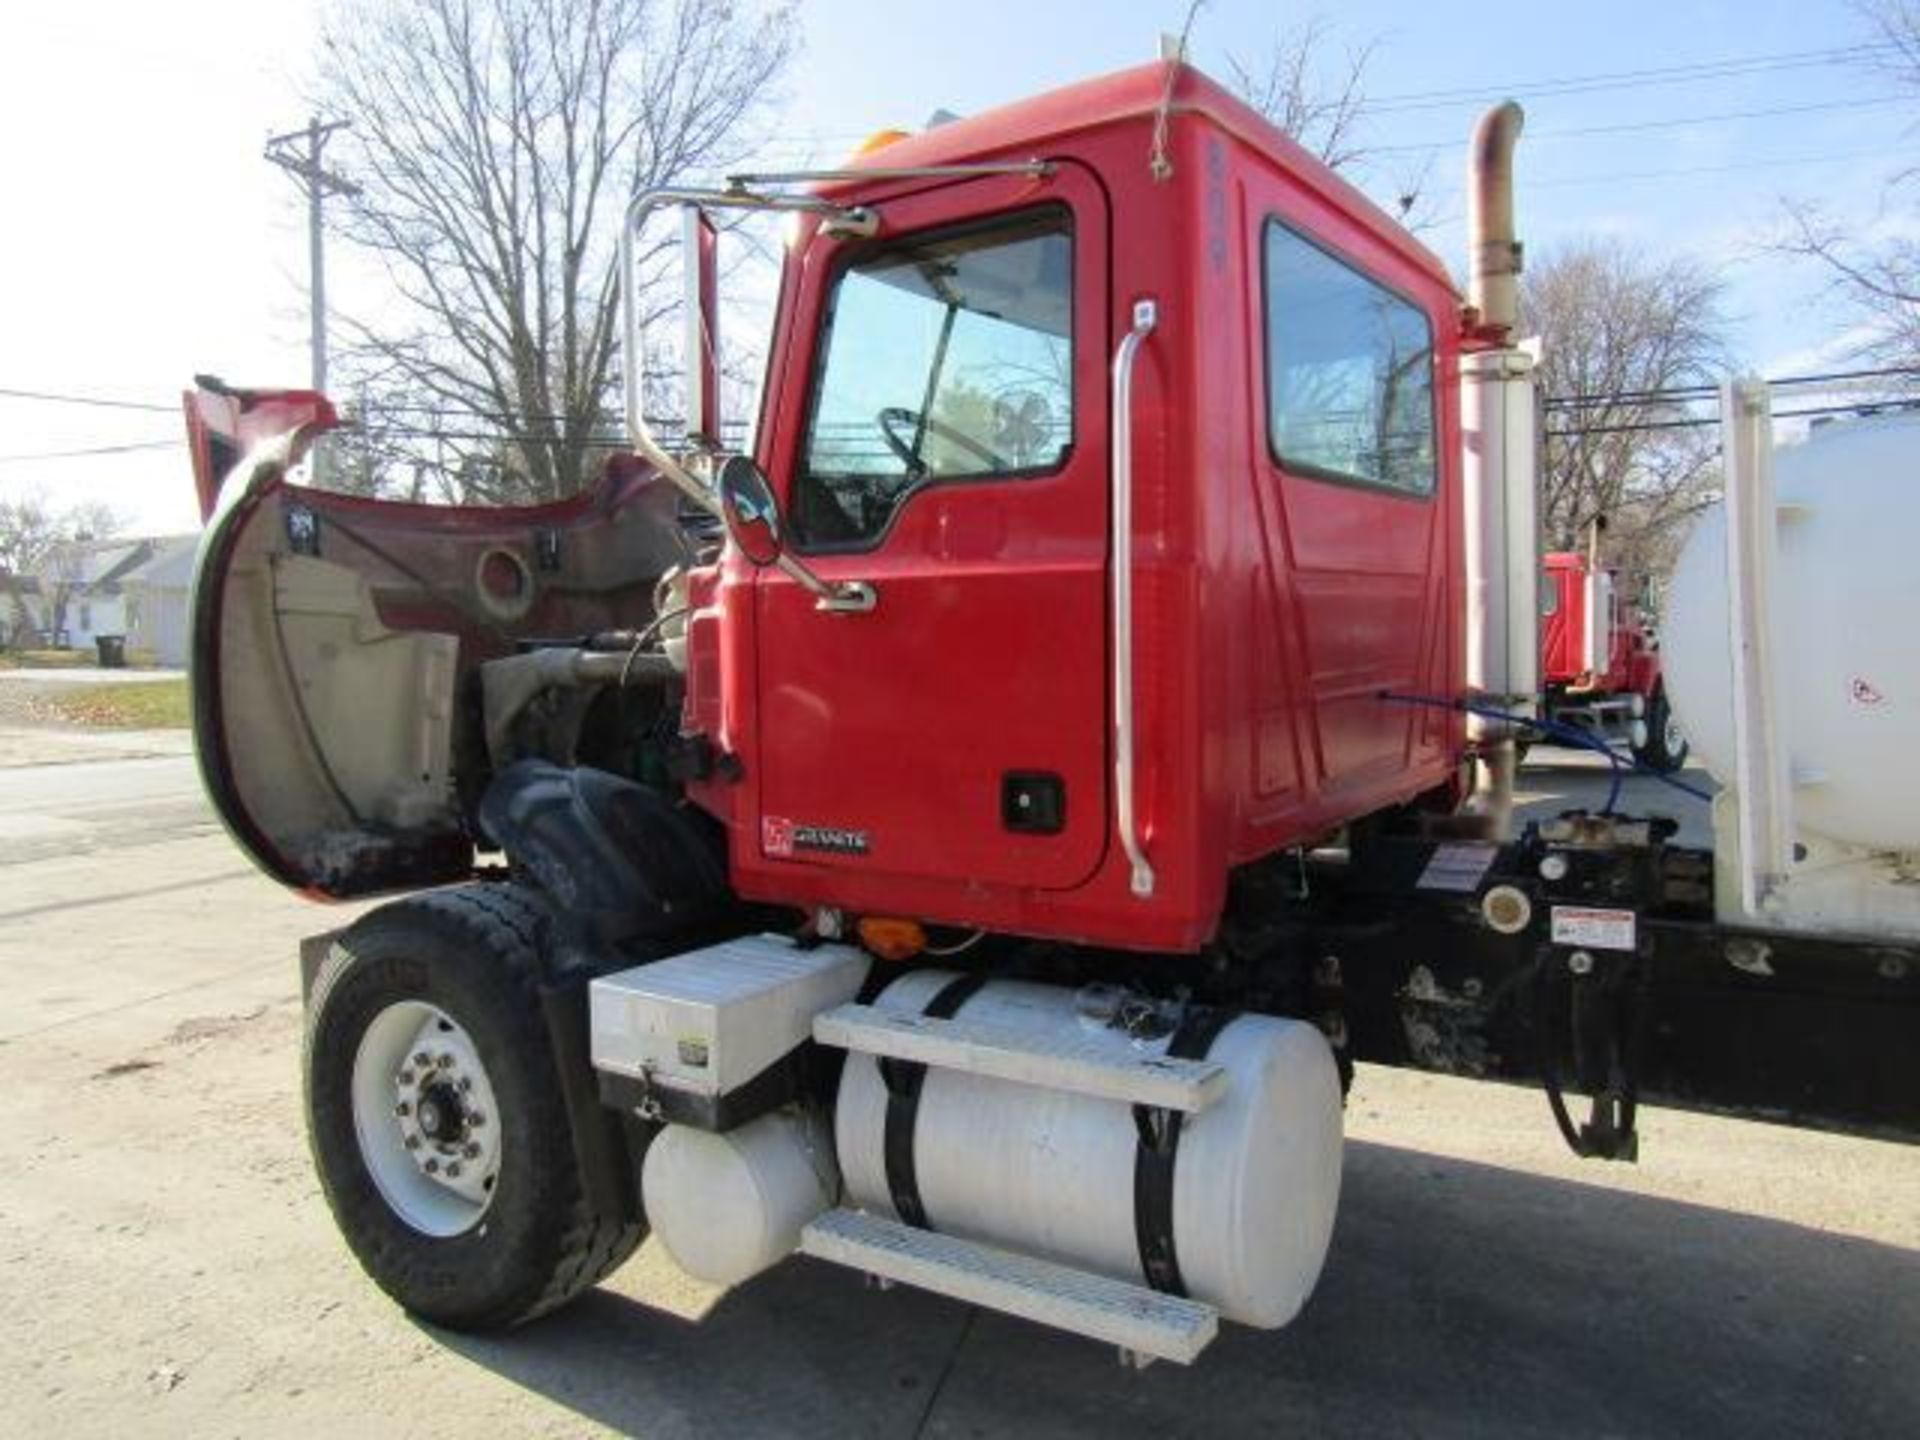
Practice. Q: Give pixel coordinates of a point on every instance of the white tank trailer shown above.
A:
(1800, 690)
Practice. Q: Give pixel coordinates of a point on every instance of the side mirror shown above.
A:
(751, 513)
(752, 518)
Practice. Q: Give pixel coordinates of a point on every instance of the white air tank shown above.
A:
(1846, 607)
(729, 1206)
(1256, 1175)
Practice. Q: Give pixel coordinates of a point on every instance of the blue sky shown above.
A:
(144, 238)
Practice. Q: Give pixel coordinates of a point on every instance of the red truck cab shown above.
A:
(1600, 663)
(938, 425)
(1294, 553)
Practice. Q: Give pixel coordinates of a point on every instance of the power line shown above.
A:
(1671, 123)
(95, 450)
(1858, 407)
(1784, 162)
(1732, 68)
(1682, 394)
(100, 401)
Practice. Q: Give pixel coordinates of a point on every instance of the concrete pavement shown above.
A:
(168, 1265)
(84, 675)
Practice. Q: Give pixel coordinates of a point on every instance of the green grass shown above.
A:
(138, 705)
(47, 659)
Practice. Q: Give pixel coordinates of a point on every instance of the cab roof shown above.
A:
(1042, 122)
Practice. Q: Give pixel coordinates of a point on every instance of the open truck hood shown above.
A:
(336, 641)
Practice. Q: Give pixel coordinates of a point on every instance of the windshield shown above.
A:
(946, 358)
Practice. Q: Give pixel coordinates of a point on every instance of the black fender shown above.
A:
(622, 870)
(617, 861)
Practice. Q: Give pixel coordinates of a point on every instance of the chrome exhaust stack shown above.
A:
(1500, 433)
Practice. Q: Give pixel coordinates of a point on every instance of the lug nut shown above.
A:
(465, 1083)
(453, 1170)
(433, 1167)
(472, 1152)
(476, 1120)
(445, 1062)
(413, 1142)
(403, 1109)
(422, 1059)
(406, 1077)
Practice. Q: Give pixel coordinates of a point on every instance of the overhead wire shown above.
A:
(1858, 407)
(1701, 392)
(98, 401)
(1674, 122)
(1730, 68)
(91, 451)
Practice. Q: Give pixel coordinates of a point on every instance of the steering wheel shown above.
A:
(917, 424)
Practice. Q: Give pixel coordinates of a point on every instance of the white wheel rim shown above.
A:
(425, 1116)
(1676, 742)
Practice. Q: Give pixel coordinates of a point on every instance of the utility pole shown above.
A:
(298, 152)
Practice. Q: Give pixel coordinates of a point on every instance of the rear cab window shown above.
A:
(1350, 371)
(945, 358)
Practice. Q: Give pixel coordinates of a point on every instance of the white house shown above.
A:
(135, 589)
(154, 599)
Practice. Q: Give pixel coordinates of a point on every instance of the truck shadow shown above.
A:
(1460, 1299)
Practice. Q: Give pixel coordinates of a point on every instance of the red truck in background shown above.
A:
(1600, 662)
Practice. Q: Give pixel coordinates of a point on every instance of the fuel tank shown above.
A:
(1255, 1177)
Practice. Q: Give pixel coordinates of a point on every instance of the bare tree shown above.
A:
(40, 556)
(1318, 98)
(496, 143)
(1878, 279)
(1315, 103)
(1620, 331)
(1878, 276)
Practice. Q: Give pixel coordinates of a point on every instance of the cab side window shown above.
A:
(945, 358)
(1349, 371)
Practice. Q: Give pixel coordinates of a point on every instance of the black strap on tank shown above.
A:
(1153, 1162)
(903, 1080)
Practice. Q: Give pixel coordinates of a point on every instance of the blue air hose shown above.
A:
(1566, 734)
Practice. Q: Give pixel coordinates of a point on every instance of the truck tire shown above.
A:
(1666, 748)
(426, 1051)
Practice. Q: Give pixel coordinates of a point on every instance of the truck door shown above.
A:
(1354, 439)
(943, 437)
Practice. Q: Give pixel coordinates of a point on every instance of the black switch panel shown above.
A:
(1033, 803)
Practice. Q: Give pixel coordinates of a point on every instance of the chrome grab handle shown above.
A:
(1145, 315)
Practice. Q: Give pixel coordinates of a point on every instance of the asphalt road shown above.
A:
(167, 1265)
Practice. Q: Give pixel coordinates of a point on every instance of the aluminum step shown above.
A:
(1051, 1061)
(1140, 1321)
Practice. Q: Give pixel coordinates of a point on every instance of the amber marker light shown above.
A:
(891, 938)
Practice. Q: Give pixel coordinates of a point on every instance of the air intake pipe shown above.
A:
(1499, 424)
